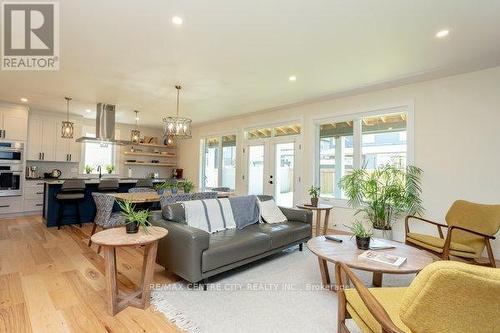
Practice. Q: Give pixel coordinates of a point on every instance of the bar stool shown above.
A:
(108, 185)
(145, 182)
(72, 192)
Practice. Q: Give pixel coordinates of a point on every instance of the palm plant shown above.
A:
(385, 194)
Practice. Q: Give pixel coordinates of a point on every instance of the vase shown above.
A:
(363, 243)
(314, 202)
(132, 227)
(382, 233)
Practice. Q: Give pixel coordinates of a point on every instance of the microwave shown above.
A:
(11, 152)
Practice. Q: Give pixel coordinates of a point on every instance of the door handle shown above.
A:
(70, 157)
(39, 156)
(43, 156)
(270, 182)
(4, 206)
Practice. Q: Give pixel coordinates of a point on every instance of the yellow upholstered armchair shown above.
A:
(470, 227)
(446, 296)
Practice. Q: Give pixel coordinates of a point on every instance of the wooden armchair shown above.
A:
(446, 296)
(470, 227)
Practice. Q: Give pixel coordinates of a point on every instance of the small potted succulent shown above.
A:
(89, 169)
(134, 218)
(362, 235)
(110, 168)
(314, 193)
(187, 186)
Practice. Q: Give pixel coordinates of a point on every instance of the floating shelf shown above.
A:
(152, 145)
(151, 164)
(136, 153)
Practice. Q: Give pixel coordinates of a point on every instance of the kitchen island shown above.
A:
(87, 205)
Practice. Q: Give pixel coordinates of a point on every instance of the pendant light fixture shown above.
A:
(135, 134)
(67, 128)
(176, 127)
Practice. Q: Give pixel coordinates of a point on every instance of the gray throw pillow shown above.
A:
(174, 212)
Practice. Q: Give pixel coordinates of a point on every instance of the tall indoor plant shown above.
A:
(384, 195)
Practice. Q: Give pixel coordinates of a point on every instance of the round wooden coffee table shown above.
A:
(112, 238)
(318, 209)
(347, 252)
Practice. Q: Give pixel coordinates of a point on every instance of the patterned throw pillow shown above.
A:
(270, 212)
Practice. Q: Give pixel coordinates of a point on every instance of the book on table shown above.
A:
(377, 244)
(383, 258)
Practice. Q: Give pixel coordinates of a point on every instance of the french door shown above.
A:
(271, 169)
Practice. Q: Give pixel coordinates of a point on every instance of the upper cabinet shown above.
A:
(45, 142)
(13, 124)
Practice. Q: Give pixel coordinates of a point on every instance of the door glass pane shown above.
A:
(229, 161)
(256, 169)
(336, 156)
(384, 141)
(211, 162)
(284, 178)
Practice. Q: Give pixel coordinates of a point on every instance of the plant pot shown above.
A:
(314, 202)
(173, 190)
(363, 243)
(382, 233)
(132, 227)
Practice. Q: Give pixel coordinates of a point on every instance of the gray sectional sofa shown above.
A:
(196, 255)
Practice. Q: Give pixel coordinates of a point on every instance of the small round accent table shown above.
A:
(110, 239)
(318, 209)
(347, 252)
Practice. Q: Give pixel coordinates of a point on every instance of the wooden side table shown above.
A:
(116, 237)
(318, 210)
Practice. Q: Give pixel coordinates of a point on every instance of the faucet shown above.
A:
(99, 169)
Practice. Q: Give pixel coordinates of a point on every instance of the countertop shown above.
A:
(59, 181)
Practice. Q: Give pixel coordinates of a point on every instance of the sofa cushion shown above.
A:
(270, 212)
(232, 245)
(174, 212)
(284, 233)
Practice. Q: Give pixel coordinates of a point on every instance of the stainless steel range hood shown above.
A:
(104, 127)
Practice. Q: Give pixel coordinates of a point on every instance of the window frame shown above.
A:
(86, 130)
(356, 117)
(220, 161)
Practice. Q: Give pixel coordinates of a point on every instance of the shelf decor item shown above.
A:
(135, 134)
(67, 128)
(384, 195)
(314, 193)
(362, 235)
(176, 127)
(134, 219)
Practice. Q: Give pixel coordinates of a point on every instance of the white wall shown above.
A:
(457, 138)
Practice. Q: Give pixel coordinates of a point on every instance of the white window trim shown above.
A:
(115, 158)
(356, 116)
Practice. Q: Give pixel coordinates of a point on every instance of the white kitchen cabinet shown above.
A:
(10, 205)
(42, 139)
(33, 195)
(13, 124)
(68, 150)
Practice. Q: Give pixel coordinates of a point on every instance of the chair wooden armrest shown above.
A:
(438, 225)
(371, 303)
(487, 238)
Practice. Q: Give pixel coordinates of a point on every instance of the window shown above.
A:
(96, 154)
(364, 141)
(219, 161)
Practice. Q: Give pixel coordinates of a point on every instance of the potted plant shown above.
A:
(362, 235)
(89, 169)
(384, 195)
(314, 193)
(187, 186)
(134, 218)
(110, 168)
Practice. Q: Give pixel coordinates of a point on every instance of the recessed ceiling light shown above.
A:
(88, 110)
(442, 33)
(24, 99)
(177, 20)
(292, 78)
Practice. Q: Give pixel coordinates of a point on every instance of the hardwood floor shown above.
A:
(51, 281)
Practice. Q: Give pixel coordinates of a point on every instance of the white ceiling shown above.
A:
(235, 57)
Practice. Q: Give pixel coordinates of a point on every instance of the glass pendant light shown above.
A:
(67, 128)
(176, 127)
(135, 134)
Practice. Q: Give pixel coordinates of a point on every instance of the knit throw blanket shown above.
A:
(210, 215)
